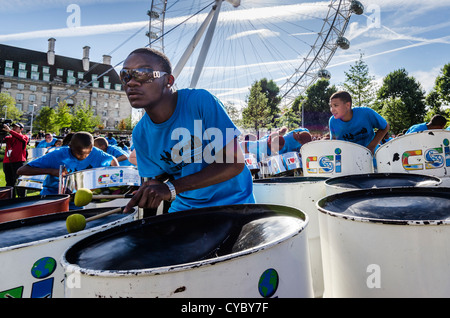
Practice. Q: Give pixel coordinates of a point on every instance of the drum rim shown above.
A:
(70, 267)
(369, 192)
(329, 181)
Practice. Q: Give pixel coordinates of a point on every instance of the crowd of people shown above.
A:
(186, 146)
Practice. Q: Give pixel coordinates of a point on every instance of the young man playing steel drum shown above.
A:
(184, 135)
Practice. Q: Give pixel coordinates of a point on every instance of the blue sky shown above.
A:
(251, 41)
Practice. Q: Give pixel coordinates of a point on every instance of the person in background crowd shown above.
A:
(120, 154)
(48, 142)
(15, 155)
(437, 122)
(111, 140)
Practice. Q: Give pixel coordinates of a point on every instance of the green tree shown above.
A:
(8, 109)
(315, 107)
(233, 112)
(271, 90)
(398, 85)
(46, 119)
(83, 118)
(360, 84)
(292, 116)
(393, 110)
(440, 94)
(63, 116)
(256, 114)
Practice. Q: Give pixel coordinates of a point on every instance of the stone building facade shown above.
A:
(36, 79)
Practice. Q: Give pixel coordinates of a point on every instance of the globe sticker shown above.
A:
(43, 267)
(268, 283)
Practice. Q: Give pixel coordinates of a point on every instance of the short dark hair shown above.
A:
(81, 140)
(438, 120)
(164, 60)
(342, 95)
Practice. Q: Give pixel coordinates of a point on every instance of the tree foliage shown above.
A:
(256, 114)
(84, 119)
(8, 109)
(360, 84)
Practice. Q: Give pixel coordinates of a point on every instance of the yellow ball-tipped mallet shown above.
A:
(77, 222)
(84, 196)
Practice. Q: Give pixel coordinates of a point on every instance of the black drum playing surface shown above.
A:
(383, 180)
(393, 204)
(46, 227)
(182, 237)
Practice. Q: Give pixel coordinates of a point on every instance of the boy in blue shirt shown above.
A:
(355, 124)
(437, 122)
(295, 139)
(120, 154)
(48, 142)
(79, 155)
(185, 135)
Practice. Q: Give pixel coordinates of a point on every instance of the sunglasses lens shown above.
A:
(140, 75)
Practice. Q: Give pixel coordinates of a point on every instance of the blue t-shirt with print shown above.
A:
(185, 144)
(360, 128)
(63, 156)
(417, 128)
(116, 151)
(290, 144)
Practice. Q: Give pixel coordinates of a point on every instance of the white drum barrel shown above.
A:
(426, 152)
(302, 193)
(386, 243)
(31, 248)
(34, 153)
(332, 158)
(230, 251)
(378, 180)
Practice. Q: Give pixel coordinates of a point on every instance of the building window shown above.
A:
(45, 69)
(106, 79)
(94, 94)
(20, 86)
(71, 80)
(105, 104)
(59, 71)
(94, 77)
(8, 64)
(35, 75)
(22, 66)
(7, 85)
(33, 88)
(94, 103)
(19, 106)
(22, 74)
(9, 72)
(70, 73)
(80, 75)
(118, 87)
(44, 89)
(95, 84)
(19, 96)
(43, 99)
(107, 85)
(32, 98)
(46, 77)
(34, 68)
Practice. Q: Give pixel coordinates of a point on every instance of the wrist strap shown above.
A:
(173, 193)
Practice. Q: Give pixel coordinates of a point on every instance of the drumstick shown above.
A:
(77, 222)
(84, 196)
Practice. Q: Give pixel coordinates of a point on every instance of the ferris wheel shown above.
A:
(225, 46)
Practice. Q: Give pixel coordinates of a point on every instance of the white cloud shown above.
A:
(263, 33)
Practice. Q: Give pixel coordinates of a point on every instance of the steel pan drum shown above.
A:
(6, 193)
(426, 152)
(251, 163)
(386, 242)
(292, 161)
(34, 153)
(20, 208)
(229, 251)
(379, 180)
(30, 251)
(332, 158)
(301, 193)
(104, 177)
(31, 182)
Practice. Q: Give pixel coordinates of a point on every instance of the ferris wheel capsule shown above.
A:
(343, 42)
(357, 7)
(324, 74)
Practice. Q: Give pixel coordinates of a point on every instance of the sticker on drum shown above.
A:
(426, 152)
(335, 158)
(251, 162)
(292, 160)
(104, 177)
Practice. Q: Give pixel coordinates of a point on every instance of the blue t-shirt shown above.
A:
(184, 145)
(44, 144)
(359, 129)
(111, 141)
(417, 128)
(116, 151)
(63, 156)
(290, 144)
